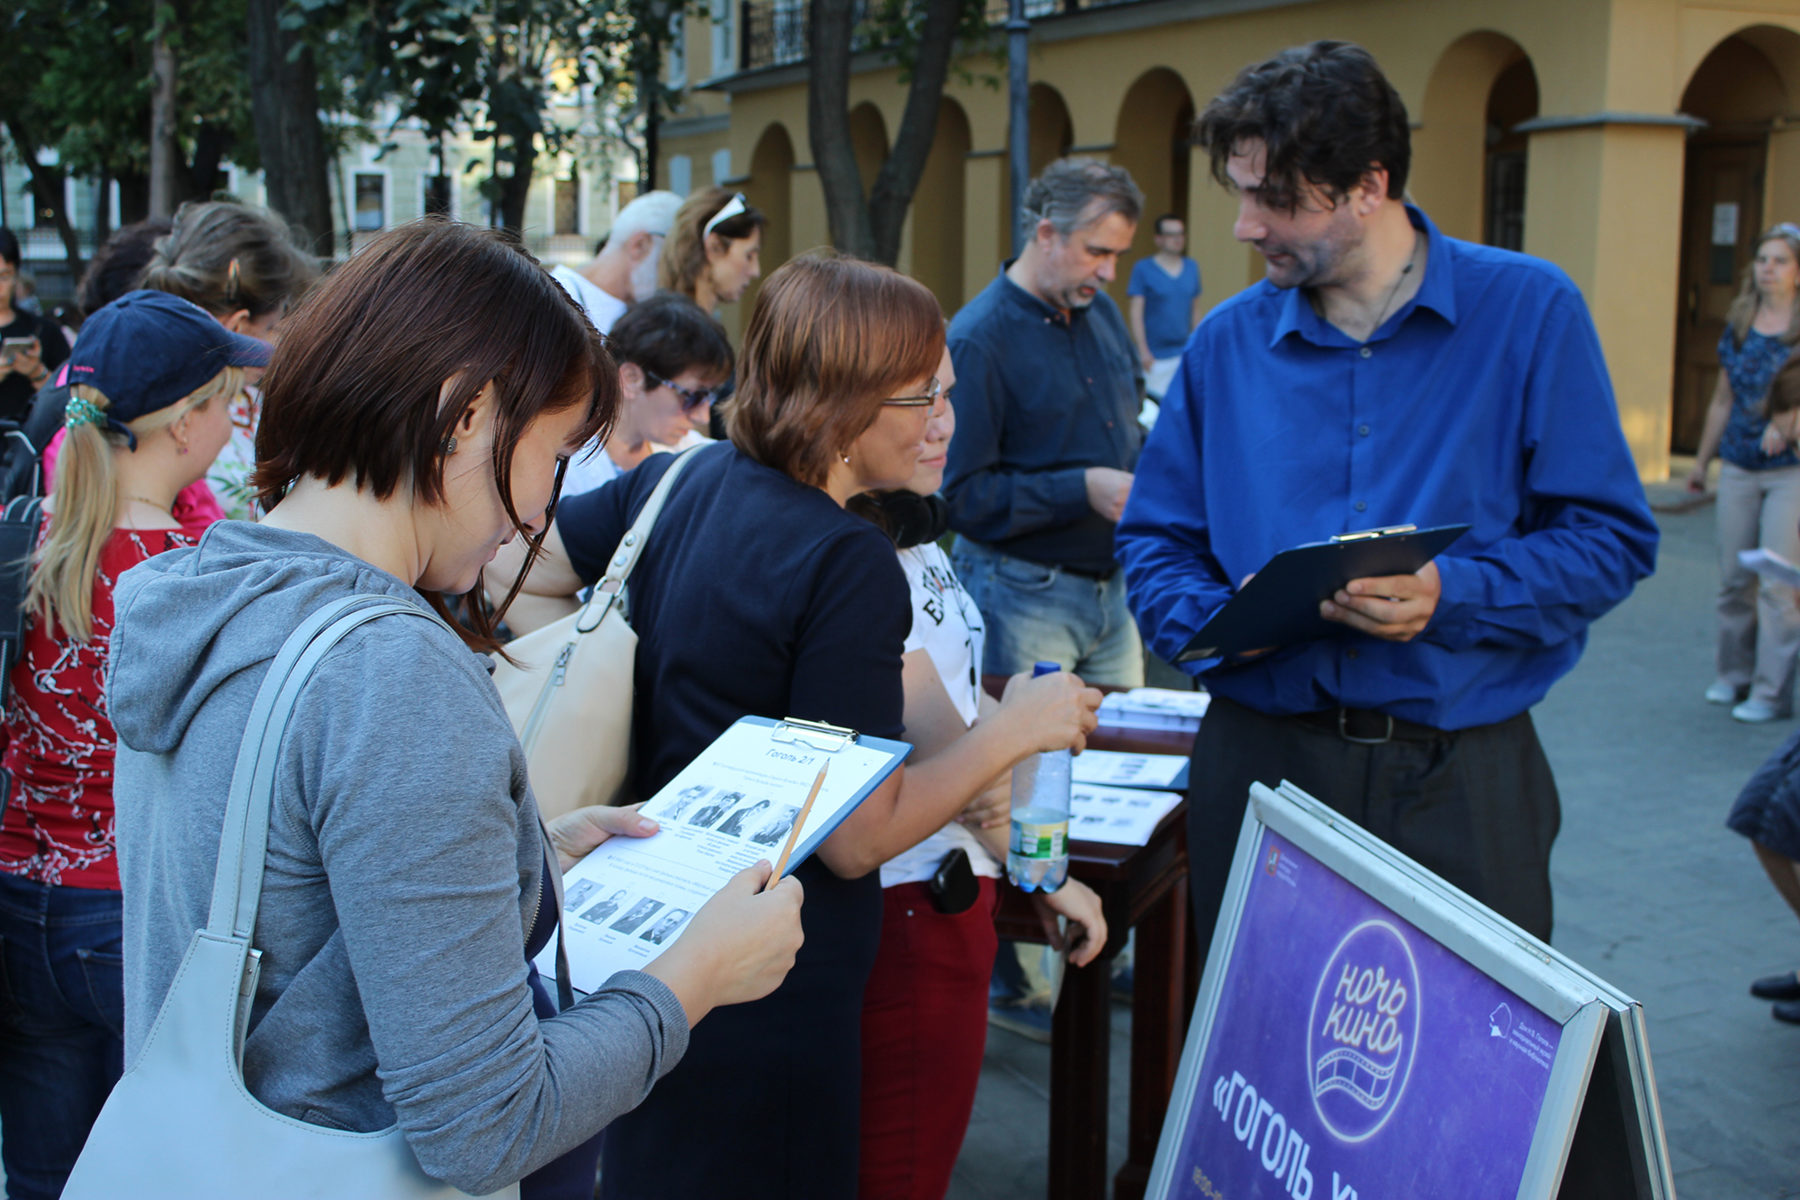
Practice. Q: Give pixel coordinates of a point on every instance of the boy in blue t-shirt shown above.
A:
(1165, 304)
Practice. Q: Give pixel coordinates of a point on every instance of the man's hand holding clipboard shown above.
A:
(1395, 607)
(1381, 582)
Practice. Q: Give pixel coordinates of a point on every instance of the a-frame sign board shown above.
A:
(1364, 1030)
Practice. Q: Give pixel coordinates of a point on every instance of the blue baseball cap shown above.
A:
(146, 350)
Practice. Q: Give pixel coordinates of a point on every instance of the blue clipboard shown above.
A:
(820, 738)
(1280, 605)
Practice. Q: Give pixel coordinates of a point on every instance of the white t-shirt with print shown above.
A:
(947, 625)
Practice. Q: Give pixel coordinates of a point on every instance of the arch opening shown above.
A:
(1741, 171)
(937, 208)
(770, 188)
(1151, 140)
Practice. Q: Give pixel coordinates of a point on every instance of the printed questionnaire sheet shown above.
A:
(632, 897)
(1110, 768)
(1122, 816)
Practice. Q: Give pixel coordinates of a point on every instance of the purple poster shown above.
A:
(1353, 1058)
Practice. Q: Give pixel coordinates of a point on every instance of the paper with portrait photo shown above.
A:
(631, 899)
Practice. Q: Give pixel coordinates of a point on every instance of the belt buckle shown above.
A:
(1343, 724)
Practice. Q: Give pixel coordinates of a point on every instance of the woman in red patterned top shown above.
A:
(153, 379)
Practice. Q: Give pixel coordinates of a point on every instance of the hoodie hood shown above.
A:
(189, 619)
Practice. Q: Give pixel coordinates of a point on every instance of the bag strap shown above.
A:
(630, 547)
(244, 840)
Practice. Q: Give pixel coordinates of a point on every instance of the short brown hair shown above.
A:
(684, 255)
(830, 338)
(352, 392)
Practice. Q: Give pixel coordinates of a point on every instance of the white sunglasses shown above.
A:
(733, 207)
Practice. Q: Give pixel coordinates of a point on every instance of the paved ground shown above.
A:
(1652, 893)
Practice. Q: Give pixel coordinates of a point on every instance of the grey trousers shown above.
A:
(1759, 621)
(1477, 807)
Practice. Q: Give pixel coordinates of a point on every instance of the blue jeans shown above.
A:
(1036, 613)
(62, 1020)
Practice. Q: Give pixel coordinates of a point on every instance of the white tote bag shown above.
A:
(570, 695)
(181, 1124)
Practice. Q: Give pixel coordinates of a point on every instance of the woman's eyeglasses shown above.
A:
(928, 400)
(691, 398)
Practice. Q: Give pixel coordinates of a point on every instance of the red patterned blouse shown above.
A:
(58, 823)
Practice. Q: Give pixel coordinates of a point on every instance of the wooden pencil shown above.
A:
(799, 821)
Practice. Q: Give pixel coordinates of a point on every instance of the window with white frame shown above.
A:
(721, 167)
(681, 174)
(678, 49)
(724, 39)
(438, 196)
(371, 202)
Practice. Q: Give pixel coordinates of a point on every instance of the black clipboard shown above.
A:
(1280, 606)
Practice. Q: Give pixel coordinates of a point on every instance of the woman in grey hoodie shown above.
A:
(416, 417)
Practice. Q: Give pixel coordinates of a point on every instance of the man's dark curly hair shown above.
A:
(1325, 114)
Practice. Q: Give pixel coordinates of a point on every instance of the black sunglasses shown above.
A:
(690, 397)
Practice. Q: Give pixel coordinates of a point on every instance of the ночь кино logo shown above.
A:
(1363, 1032)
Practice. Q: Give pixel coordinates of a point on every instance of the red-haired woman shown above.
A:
(760, 594)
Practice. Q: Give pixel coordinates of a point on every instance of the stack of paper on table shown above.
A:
(1154, 708)
(1110, 768)
(1122, 816)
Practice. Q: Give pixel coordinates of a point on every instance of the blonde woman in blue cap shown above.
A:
(152, 380)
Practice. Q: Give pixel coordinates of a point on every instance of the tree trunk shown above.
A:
(47, 188)
(165, 152)
(515, 189)
(899, 176)
(103, 217)
(828, 126)
(211, 144)
(284, 105)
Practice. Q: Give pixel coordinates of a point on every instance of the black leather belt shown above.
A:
(1367, 727)
(1085, 573)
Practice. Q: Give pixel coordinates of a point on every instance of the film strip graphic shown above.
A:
(1365, 1081)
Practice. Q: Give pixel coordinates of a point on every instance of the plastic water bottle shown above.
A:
(1038, 855)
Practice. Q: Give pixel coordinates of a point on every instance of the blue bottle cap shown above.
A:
(1044, 668)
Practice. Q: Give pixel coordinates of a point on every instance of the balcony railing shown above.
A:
(774, 31)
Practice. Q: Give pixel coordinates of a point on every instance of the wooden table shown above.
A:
(1142, 888)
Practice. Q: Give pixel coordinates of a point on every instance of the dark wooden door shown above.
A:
(1721, 216)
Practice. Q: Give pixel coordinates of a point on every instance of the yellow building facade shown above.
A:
(1639, 144)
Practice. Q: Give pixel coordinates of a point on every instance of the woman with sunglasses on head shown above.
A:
(671, 357)
(154, 377)
(759, 594)
(714, 249)
(406, 889)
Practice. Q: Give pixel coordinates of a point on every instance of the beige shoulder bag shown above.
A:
(570, 695)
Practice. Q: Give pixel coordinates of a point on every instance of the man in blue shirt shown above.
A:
(1047, 396)
(1164, 296)
(1382, 374)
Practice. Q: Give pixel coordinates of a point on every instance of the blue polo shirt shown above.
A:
(1041, 396)
(1484, 400)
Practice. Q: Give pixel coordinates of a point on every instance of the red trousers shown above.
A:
(924, 1027)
